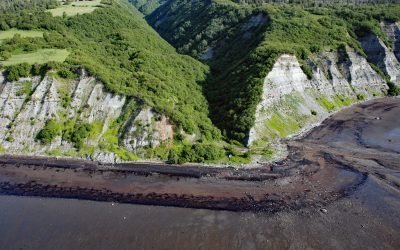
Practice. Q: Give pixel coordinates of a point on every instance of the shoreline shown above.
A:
(253, 198)
(326, 164)
(281, 142)
(303, 132)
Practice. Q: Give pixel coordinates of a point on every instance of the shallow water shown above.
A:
(370, 218)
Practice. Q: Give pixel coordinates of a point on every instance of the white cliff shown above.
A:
(147, 129)
(23, 114)
(392, 30)
(383, 57)
(290, 101)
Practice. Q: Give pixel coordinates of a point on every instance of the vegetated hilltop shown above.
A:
(15, 5)
(242, 40)
(150, 87)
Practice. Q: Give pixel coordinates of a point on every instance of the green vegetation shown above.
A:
(9, 138)
(193, 26)
(393, 89)
(327, 104)
(50, 131)
(239, 65)
(115, 45)
(282, 124)
(127, 55)
(76, 8)
(147, 6)
(23, 33)
(17, 5)
(343, 101)
(360, 97)
(195, 153)
(26, 89)
(40, 56)
(267, 152)
(77, 134)
(17, 71)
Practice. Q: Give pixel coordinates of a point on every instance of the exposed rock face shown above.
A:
(379, 54)
(32, 114)
(23, 115)
(105, 157)
(392, 30)
(147, 129)
(291, 101)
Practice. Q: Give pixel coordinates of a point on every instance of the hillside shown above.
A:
(114, 47)
(16, 5)
(93, 79)
(242, 42)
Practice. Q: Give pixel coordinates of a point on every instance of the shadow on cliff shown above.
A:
(227, 86)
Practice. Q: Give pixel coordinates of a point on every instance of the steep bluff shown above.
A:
(291, 101)
(146, 129)
(28, 104)
(383, 57)
(392, 30)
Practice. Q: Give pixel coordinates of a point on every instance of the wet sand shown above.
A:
(338, 188)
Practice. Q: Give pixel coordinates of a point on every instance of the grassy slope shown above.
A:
(23, 33)
(40, 56)
(75, 8)
(16, 5)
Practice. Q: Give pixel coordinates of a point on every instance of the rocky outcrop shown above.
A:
(23, 115)
(26, 105)
(291, 102)
(147, 129)
(392, 30)
(380, 55)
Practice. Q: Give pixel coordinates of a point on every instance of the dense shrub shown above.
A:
(196, 153)
(50, 131)
(393, 90)
(17, 5)
(78, 134)
(14, 72)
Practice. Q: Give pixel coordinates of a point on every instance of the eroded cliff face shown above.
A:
(291, 101)
(26, 106)
(380, 55)
(392, 30)
(146, 129)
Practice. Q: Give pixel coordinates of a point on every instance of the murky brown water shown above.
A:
(369, 219)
